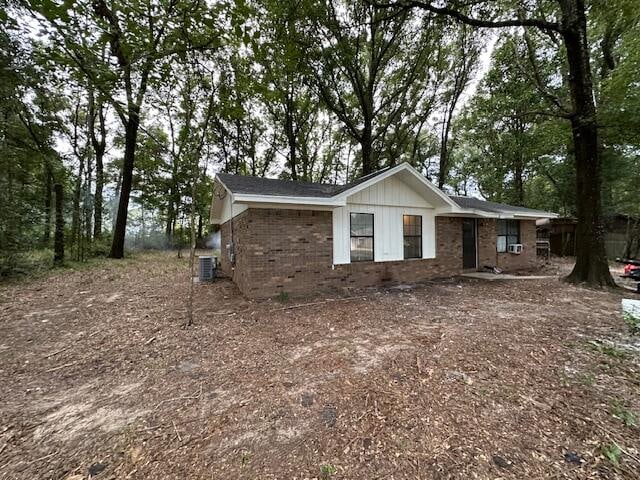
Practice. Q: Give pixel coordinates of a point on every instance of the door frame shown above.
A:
(475, 239)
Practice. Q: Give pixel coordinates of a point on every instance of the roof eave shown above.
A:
(288, 199)
(215, 220)
(503, 215)
(534, 216)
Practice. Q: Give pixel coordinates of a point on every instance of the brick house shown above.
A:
(392, 226)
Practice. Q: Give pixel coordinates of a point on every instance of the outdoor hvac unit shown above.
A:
(515, 248)
(207, 268)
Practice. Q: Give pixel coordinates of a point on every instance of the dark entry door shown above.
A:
(469, 243)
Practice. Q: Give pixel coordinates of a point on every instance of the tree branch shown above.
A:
(463, 18)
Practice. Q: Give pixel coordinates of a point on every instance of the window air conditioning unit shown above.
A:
(516, 248)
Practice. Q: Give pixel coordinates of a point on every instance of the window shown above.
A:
(508, 234)
(361, 237)
(412, 232)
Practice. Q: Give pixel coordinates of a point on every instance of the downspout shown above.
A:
(233, 245)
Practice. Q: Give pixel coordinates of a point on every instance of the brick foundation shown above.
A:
(291, 251)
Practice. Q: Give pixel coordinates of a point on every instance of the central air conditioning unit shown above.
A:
(516, 248)
(207, 267)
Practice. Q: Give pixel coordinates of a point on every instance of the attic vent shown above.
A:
(207, 266)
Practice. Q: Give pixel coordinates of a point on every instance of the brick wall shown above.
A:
(448, 262)
(279, 250)
(291, 251)
(487, 254)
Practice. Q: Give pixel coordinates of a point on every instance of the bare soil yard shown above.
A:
(459, 378)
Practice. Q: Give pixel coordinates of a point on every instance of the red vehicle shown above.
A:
(631, 270)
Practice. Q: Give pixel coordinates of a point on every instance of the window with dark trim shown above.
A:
(412, 233)
(361, 237)
(508, 234)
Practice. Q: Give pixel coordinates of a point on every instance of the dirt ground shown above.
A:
(457, 378)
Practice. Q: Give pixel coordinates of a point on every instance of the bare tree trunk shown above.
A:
(290, 133)
(75, 214)
(97, 201)
(58, 244)
(87, 205)
(119, 232)
(366, 145)
(99, 146)
(591, 258)
(192, 250)
(443, 170)
(518, 178)
(48, 183)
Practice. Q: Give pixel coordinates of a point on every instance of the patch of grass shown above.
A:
(612, 453)
(632, 322)
(588, 379)
(403, 444)
(283, 297)
(622, 413)
(38, 264)
(327, 470)
(15, 266)
(609, 350)
(245, 458)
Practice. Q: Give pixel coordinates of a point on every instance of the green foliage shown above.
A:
(606, 349)
(283, 297)
(327, 470)
(530, 162)
(632, 322)
(513, 144)
(245, 458)
(29, 165)
(612, 452)
(377, 72)
(313, 91)
(622, 413)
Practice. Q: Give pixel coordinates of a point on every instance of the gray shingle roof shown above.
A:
(272, 186)
(492, 207)
(241, 184)
(288, 188)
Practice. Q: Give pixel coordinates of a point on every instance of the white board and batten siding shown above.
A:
(388, 200)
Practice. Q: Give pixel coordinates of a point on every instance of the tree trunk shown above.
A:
(518, 179)
(289, 131)
(48, 181)
(591, 259)
(120, 229)
(169, 220)
(99, 146)
(172, 203)
(366, 144)
(192, 249)
(75, 215)
(442, 171)
(97, 201)
(87, 206)
(58, 243)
